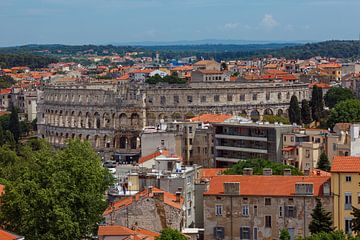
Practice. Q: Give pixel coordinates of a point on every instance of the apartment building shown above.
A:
(345, 181)
(258, 207)
(236, 141)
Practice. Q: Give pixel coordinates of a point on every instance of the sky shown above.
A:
(123, 21)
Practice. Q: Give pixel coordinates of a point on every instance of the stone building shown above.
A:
(258, 207)
(152, 209)
(111, 115)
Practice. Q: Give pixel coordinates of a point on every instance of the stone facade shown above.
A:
(112, 115)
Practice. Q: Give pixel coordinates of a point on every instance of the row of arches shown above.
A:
(121, 142)
(95, 120)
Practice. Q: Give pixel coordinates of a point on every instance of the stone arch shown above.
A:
(88, 120)
(80, 120)
(243, 113)
(189, 115)
(80, 137)
(97, 121)
(123, 119)
(106, 120)
(87, 138)
(287, 95)
(107, 141)
(97, 141)
(268, 111)
(176, 116)
(123, 141)
(279, 96)
(61, 118)
(280, 112)
(255, 115)
(113, 120)
(135, 119)
(72, 119)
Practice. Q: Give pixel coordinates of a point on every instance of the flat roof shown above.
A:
(264, 125)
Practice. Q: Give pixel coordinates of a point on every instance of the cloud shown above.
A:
(269, 22)
(231, 25)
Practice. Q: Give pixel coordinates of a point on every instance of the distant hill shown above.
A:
(337, 49)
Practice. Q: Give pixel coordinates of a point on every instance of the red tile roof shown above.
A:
(2, 189)
(5, 91)
(210, 71)
(182, 68)
(169, 199)
(211, 118)
(153, 155)
(329, 65)
(320, 85)
(8, 236)
(265, 185)
(345, 164)
(288, 148)
(117, 230)
(211, 172)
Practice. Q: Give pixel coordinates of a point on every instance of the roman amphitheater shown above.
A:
(112, 116)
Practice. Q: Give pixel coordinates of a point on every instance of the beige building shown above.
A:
(345, 180)
(258, 207)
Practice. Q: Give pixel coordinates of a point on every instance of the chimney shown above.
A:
(267, 171)
(287, 172)
(247, 171)
(232, 188)
(178, 197)
(159, 196)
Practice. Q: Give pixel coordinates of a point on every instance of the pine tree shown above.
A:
(284, 234)
(323, 162)
(14, 124)
(294, 111)
(317, 103)
(321, 219)
(356, 220)
(305, 112)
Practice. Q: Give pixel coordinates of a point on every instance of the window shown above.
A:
(348, 178)
(279, 96)
(348, 226)
(267, 201)
(229, 97)
(268, 221)
(254, 96)
(162, 142)
(189, 99)
(245, 233)
(216, 98)
(203, 99)
(190, 129)
(290, 211)
(219, 232)
(307, 153)
(255, 210)
(189, 196)
(267, 96)
(255, 237)
(348, 201)
(190, 141)
(189, 211)
(242, 97)
(218, 210)
(245, 210)
(281, 211)
(176, 99)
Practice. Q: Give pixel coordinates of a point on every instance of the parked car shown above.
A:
(109, 164)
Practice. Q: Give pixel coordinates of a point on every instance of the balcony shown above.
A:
(238, 137)
(241, 149)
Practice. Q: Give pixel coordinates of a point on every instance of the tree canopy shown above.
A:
(52, 194)
(356, 220)
(305, 112)
(346, 111)
(294, 111)
(258, 165)
(317, 103)
(6, 81)
(323, 162)
(171, 79)
(321, 219)
(336, 95)
(171, 234)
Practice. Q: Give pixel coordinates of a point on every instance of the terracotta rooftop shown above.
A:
(153, 155)
(211, 118)
(4, 235)
(169, 199)
(204, 62)
(210, 71)
(320, 85)
(5, 91)
(345, 164)
(116, 230)
(329, 65)
(265, 185)
(211, 172)
(2, 189)
(183, 68)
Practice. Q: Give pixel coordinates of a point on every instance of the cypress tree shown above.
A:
(14, 124)
(356, 220)
(294, 111)
(323, 162)
(305, 112)
(317, 103)
(284, 234)
(321, 219)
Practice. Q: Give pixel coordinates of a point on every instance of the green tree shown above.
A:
(305, 112)
(9, 139)
(14, 124)
(1, 136)
(317, 103)
(284, 234)
(258, 165)
(336, 95)
(294, 111)
(323, 162)
(335, 235)
(356, 220)
(347, 111)
(55, 194)
(321, 219)
(171, 234)
(275, 118)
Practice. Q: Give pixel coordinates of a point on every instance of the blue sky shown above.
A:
(116, 21)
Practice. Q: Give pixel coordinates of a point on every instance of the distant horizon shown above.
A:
(186, 43)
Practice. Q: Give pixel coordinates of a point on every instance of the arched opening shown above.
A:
(151, 119)
(106, 120)
(61, 121)
(268, 111)
(80, 121)
(255, 115)
(97, 120)
(97, 141)
(106, 142)
(134, 119)
(87, 120)
(72, 119)
(122, 119)
(123, 142)
(280, 112)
